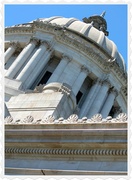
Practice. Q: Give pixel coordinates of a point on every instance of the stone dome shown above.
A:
(89, 31)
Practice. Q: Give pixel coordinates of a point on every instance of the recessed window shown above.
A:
(45, 78)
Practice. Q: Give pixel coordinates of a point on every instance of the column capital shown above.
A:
(114, 91)
(102, 82)
(67, 57)
(85, 69)
(14, 44)
(45, 43)
(34, 40)
(106, 82)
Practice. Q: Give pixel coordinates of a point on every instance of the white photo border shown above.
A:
(2, 4)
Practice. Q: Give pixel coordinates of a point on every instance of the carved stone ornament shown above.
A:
(60, 120)
(73, 118)
(96, 118)
(38, 121)
(49, 119)
(8, 120)
(28, 119)
(122, 117)
(64, 89)
(64, 151)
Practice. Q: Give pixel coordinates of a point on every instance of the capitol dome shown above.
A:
(90, 31)
(65, 99)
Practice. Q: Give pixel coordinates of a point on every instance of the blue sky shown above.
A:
(116, 17)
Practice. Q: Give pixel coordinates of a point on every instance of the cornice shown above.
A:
(64, 151)
(73, 119)
(18, 29)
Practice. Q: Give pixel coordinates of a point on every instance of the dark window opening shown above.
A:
(78, 96)
(45, 78)
(112, 111)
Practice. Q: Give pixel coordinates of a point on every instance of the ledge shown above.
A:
(26, 171)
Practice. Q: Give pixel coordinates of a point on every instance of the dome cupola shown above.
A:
(98, 22)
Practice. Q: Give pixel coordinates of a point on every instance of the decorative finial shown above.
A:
(103, 13)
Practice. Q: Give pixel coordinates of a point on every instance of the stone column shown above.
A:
(9, 52)
(99, 100)
(32, 63)
(80, 79)
(21, 59)
(38, 68)
(59, 69)
(90, 98)
(108, 103)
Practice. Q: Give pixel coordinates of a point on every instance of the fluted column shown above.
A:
(21, 59)
(27, 70)
(38, 68)
(108, 103)
(9, 52)
(59, 69)
(80, 79)
(100, 98)
(90, 98)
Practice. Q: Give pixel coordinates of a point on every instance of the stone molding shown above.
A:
(61, 151)
(97, 118)
(25, 171)
(17, 29)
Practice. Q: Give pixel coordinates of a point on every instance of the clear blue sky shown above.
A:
(116, 17)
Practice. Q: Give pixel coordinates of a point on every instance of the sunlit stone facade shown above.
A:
(65, 98)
